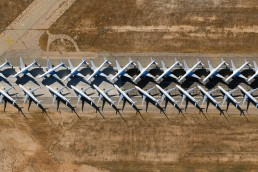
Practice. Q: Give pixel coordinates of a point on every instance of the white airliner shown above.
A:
(255, 74)
(51, 70)
(165, 95)
(105, 98)
(58, 96)
(230, 99)
(122, 71)
(29, 94)
(7, 98)
(207, 96)
(237, 72)
(6, 63)
(248, 97)
(189, 72)
(187, 97)
(24, 69)
(84, 97)
(144, 71)
(125, 97)
(167, 71)
(149, 98)
(97, 70)
(74, 70)
(214, 71)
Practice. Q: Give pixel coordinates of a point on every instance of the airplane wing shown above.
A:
(21, 63)
(70, 64)
(183, 99)
(150, 75)
(26, 98)
(127, 91)
(100, 97)
(93, 67)
(220, 76)
(162, 98)
(186, 67)
(190, 90)
(1, 98)
(242, 76)
(233, 66)
(33, 90)
(143, 99)
(196, 76)
(29, 75)
(245, 98)
(170, 90)
(149, 90)
(60, 89)
(79, 98)
(210, 66)
(106, 91)
(224, 100)
(253, 90)
(54, 98)
(103, 75)
(118, 67)
(80, 75)
(49, 66)
(139, 65)
(120, 98)
(212, 91)
(163, 65)
(204, 99)
(6, 90)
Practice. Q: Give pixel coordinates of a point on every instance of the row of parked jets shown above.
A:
(103, 94)
(144, 71)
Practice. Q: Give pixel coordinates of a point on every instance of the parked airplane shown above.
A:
(97, 70)
(144, 71)
(165, 95)
(248, 97)
(6, 63)
(74, 70)
(105, 98)
(255, 74)
(189, 72)
(214, 71)
(237, 72)
(207, 96)
(167, 71)
(29, 94)
(187, 97)
(149, 98)
(85, 98)
(230, 99)
(121, 71)
(51, 70)
(126, 98)
(57, 96)
(24, 69)
(7, 98)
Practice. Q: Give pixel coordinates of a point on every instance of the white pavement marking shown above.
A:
(40, 14)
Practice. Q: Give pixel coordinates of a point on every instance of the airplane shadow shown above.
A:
(75, 80)
(6, 81)
(62, 73)
(36, 71)
(24, 79)
(145, 81)
(8, 72)
(51, 80)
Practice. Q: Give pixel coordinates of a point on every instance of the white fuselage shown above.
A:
(105, 96)
(249, 96)
(213, 72)
(50, 71)
(208, 96)
(225, 93)
(189, 72)
(97, 70)
(74, 71)
(144, 71)
(122, 71)
(30, 94)
(57, 94)
(82, 94)
(23, 70)
(187, 94)
(125, 95)
(167, 71)
(7, 96)
(144, 93)
(167, 95)
(236, 72)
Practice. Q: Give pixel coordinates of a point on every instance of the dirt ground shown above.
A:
(63, 142)
(210, 26)
(9, 10)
